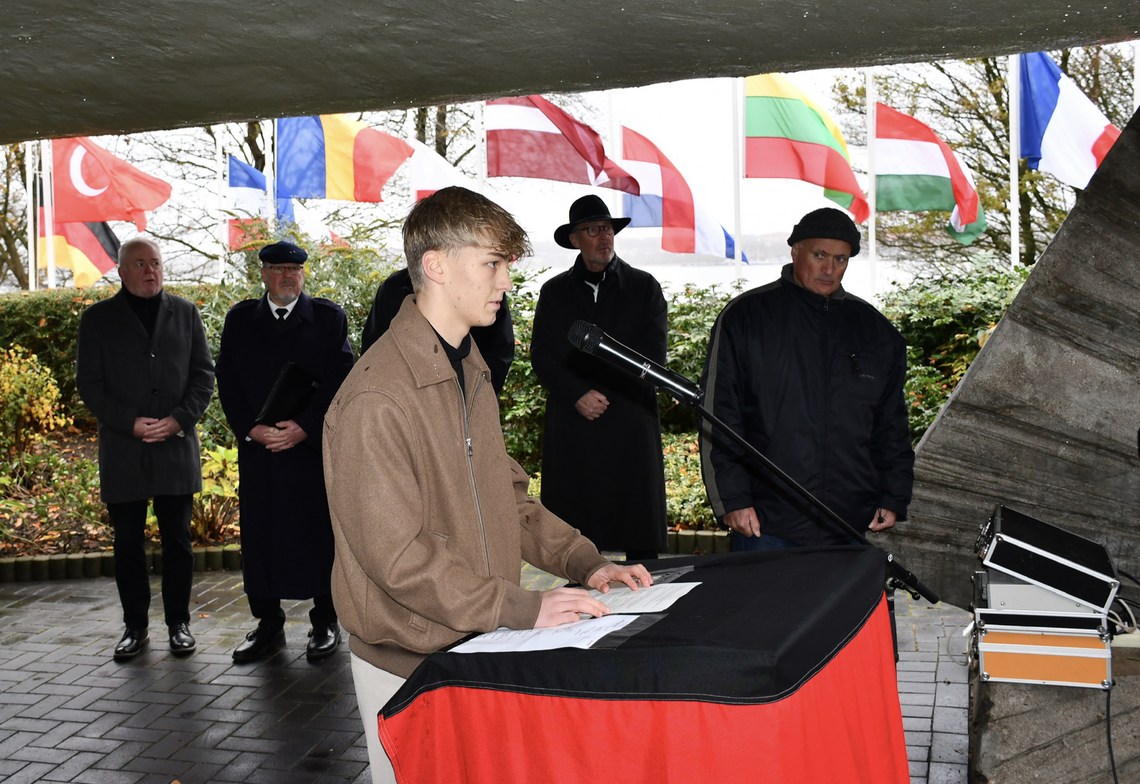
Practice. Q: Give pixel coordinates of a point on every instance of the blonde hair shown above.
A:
(455, 218)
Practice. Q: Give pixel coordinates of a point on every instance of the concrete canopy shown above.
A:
(71, 67)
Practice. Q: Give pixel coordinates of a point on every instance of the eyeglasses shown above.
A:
(594, 231)
(283, 269)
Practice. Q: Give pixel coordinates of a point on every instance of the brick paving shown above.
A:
(69, 713)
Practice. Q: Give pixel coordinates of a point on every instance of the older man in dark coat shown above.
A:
(286, 536)
(143, 368)
(602, 469)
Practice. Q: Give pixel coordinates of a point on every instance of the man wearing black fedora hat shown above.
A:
(813, 377)
(602, 467)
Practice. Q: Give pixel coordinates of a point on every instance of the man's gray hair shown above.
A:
(134, 242)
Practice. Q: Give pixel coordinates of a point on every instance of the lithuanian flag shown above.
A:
(788, 136)
(89, 250)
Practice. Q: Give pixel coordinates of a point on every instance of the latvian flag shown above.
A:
(531, 137)
(917, 171)
(667, 201)
(1062, 131)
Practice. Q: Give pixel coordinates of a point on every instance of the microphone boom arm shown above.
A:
(591, 339)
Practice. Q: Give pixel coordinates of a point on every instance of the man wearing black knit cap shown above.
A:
(813, 377)
(286, 535)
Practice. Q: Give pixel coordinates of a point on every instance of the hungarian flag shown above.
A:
(667, 201)
(531, 137)
(1062, 131)
(788, 136)
(89, 250)
(431, 172)
(91, 184)
(915, 170)
(335, 157)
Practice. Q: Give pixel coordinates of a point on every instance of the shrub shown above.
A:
(945, 321)
(29, 401)
(685, 500)
(215, 509)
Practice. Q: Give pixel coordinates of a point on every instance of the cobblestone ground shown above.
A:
(69, 713)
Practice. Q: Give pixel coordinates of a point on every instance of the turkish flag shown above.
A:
(91, 184)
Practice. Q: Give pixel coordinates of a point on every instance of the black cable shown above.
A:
(1130, 577)
(1108, 729)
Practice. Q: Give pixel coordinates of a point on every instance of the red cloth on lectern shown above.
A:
(842, 725)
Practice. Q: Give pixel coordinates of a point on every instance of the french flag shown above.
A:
(431, 172)
(1062, 131)
(245, 195)
(667, 201)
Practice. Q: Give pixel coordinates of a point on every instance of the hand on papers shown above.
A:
(565, 605)
(634, 576)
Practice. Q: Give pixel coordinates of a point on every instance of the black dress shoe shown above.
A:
(132, 644)
(323, 641)
(181, 640)
(259, 644)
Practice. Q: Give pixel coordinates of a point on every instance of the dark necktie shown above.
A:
(282, 313)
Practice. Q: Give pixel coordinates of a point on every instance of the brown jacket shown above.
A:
(430, 514)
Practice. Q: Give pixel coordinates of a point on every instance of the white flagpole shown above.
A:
(30, 197)
(872, 181)
(736, 90)
(481, 140)
(271, 177)
(614, 152)
(1014, 158)
(1135, 75)
(49, 208)
(223, 223)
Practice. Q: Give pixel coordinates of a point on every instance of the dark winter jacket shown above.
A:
(605, 476)
(496, 342)
(122, 373)
(286, 538)
(816, 384)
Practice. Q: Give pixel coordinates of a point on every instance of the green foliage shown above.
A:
(29, 401)
(523, 402)
(215, 509)
(692, 313)
(685, 500)
(46, 323)
(946, 320)
(49, 502)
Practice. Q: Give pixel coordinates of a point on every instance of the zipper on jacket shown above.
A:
(471, 462)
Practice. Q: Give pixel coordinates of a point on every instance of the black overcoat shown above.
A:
(122, 373)
(286, 536)
(605, 477)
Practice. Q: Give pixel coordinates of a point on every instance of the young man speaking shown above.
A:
(430, 514)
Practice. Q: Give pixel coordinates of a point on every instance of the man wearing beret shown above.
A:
(602, 469)
(286, 536)
(813, 377)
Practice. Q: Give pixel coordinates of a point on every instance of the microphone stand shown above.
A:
(899, 576)
(590, 339)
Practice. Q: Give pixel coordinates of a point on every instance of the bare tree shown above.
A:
(966, 102)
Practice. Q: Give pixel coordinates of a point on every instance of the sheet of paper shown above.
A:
(654, 598)
(582, 634)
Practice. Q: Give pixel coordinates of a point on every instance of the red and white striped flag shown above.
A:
(531, 137)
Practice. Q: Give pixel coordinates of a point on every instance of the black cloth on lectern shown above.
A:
(759, 626)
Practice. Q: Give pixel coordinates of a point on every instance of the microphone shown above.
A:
(591, 339)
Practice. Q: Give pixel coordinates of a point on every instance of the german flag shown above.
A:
(89, 250)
